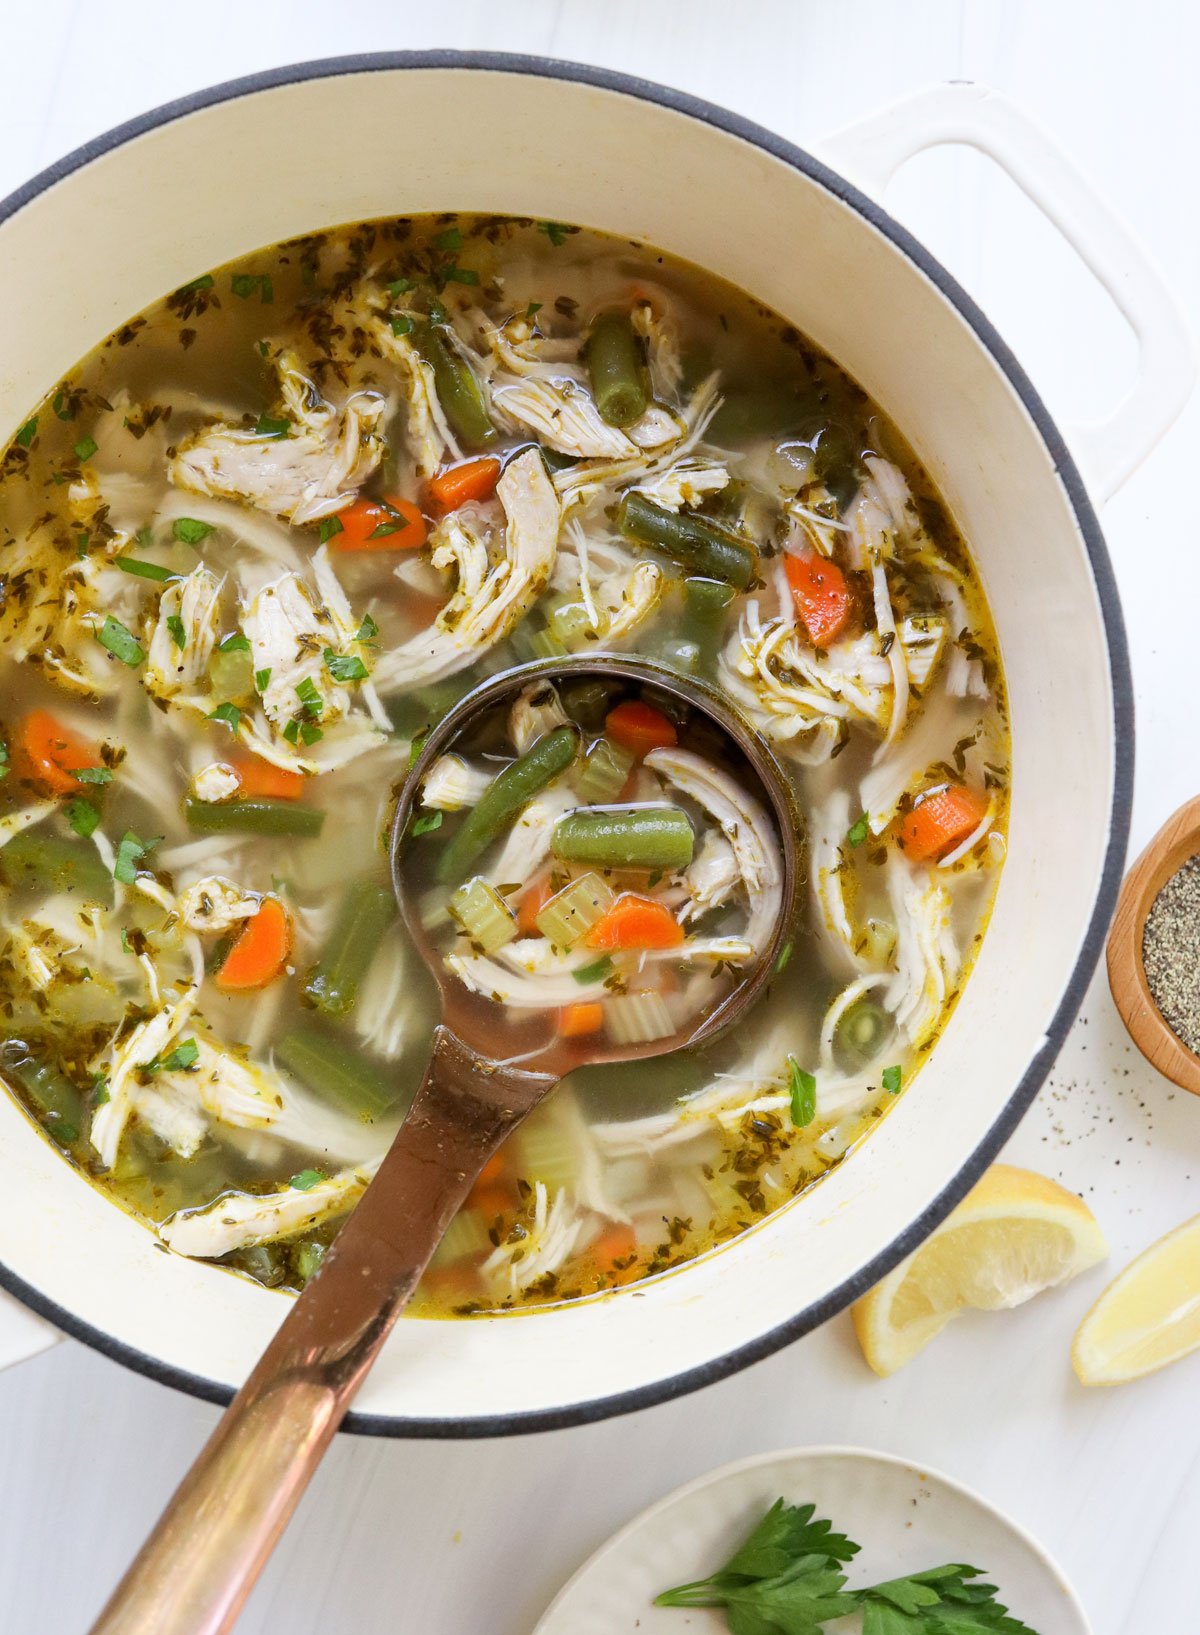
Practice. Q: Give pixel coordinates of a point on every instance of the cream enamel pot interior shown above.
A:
(167, 197)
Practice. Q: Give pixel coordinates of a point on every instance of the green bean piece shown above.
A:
(55, 1100)
(47, 862)
(504, 799)
(264, 1262)
(625, 837)
(457, 389)
(263, 816)
(693, 541)
(587, 702)
(861, 1032)
(614, 363)
(366, 912)
(835, 462)
(330, 1065)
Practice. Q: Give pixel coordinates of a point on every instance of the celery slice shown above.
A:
(638, 1018)
(484, 915)
(574, 910)
(605, 768)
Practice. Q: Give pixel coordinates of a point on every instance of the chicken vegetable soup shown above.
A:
(265, 536)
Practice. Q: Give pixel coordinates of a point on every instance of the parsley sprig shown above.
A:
(787, 1579)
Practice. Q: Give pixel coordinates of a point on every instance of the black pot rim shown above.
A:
(1018, 1103)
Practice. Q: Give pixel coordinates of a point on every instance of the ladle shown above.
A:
(194, 1572)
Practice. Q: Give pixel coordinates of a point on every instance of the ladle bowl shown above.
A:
(194, 1572)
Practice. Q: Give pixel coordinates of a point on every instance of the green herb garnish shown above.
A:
(229, 713)
(306, 1180)
(858, 830)
(144, 570)
(306, 692)
(237, 643)
(426, 823)
(555, 231)
(367, 630)
(262, 679)
(178, 630)
(130, 853)
(92, 774)
(402, 324)
(310, 733)
(329, 528)
(892, 1079)
(244, 285)
(180, 1060)
(121, 643)
(803, 1089)
(788, 1578)
(28, 432)
(532, 309)
(451, 239)
(594, 972)
(83, 817)
(85, 448)
(345, 666)
(266, 426)
(190, 532)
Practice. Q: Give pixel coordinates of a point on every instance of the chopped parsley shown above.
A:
(189, 531)
(451, 239)
(400, 286)
(229, 713)
(244, 285)
(803, 1089)
(329, 528)
(417, 745)
(121, 643)
(594, 972)
(532, 309)
(292, 732)
(180, 1060)
(306, 692)
(367, 630)
(262, 679)
(99, 1090)
(145, 570)
(92, 774)
(204, 282)
(82, 816)
(858, 830)
(130, 853)
(28, 432)
(426, 823)
(268, 427)
(310, 733)
(85, 448)
(4, 767)
(237, 643)
(306, 1180)
(401, 324)
(892, 1080)
(785, 954)
(178, 630)
(63, 404)
(345, 666)
(458, 275)
(555, 231)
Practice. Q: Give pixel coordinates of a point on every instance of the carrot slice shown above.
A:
(390, 524)
(635, 922)
(45, 754)
(458, 485)
(531, 905)
(821, 594)
(492, 1201)
(940, 821)
(260, 952)
(258, 779)
(574, 1021)
(615, 1252)
(639, 727)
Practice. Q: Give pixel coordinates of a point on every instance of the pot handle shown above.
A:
(959, 112)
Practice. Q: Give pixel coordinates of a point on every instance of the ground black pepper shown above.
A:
(1171, 953)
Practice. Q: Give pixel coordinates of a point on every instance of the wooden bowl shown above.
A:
(1175, 842)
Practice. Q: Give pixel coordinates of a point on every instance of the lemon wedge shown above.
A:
(1014, 1234)
(1147, 1317)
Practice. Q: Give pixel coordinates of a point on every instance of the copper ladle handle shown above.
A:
(194, 1572)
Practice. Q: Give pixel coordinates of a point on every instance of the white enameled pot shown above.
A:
(206, 179)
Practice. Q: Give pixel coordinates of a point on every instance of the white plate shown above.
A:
(905, 1517)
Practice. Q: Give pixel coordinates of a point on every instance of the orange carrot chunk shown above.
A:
(45, 754)
(531, 905)
(822, 596)
(260, 952)
(941, 821)
(258, 779)
(635, 922)
(574, 1021)
(639, 728)
(615, 1252)
(390, 524)
(460, 484)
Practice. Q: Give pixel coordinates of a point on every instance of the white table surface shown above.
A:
(474, 1538)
